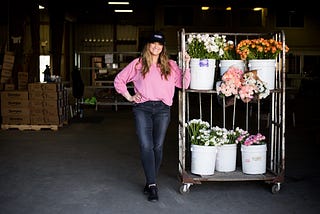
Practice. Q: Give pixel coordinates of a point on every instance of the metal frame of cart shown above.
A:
(275, 128)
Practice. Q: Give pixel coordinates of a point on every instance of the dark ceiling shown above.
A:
(95, 11)
(144, 10)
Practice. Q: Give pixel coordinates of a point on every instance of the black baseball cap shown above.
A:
(157, 37)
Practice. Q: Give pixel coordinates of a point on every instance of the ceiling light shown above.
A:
(118, 2)
(205, 8)
(123, 11)
(228, 8)
(41, 7)
(257, 8)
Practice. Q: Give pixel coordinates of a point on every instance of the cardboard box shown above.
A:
(33, 103)
(22, 87)
(50, 104)
(5, 79)
(15, 111)
(53, 95)
(50, 87)
(34, 87)
(16, 95)
(6, 73)
(7, 66)
(22, 78)
(37, 111)
(53, 120)
(9, 87)
(16, 120)
(37, 120)
(8, 103)
(9, 57)
(36, 95)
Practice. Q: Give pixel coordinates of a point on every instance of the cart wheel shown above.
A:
(275, 188)
(184, 189)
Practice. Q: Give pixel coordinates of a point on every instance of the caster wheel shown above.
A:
(275, 188)
(184, 189)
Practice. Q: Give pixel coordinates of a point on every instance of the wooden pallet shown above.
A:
(30, 127)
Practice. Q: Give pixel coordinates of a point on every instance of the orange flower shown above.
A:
(260, 48)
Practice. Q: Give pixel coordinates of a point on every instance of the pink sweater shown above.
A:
(153, 87)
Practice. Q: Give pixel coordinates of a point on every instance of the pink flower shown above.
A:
(243, 85)
(246, 92)
(254, 140)
(231, 82)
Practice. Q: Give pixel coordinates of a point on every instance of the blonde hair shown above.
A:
(163, 61)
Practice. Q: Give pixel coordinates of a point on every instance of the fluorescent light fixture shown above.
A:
(41, 7)
(118, 2)
(205, 8)
(123, 11)
(257, 8)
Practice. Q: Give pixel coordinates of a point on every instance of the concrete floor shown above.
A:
(92, 166)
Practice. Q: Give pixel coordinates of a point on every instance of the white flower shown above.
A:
(260, 87)
(206, 46)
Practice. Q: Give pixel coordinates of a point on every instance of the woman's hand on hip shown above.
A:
(136, 98)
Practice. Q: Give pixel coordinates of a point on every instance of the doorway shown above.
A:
(44, 60)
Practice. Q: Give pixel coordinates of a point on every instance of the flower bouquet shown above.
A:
(245, 86)
(229, 51)
(205, 46)
(204, 50)
(227, 150)
(257, 139)
(253, 154)
(231, 82)
(260, 49)
(252, 86)
(203, 147)
(261, 54)
(199, 132)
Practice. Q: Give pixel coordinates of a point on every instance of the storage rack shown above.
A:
(115, 99)
(275, 128)
(99, 69)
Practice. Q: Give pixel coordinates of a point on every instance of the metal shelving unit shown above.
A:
(98, 69)
(205, 99)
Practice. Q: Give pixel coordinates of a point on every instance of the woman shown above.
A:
(154, 77)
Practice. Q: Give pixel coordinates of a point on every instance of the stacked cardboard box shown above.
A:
(7, 66)
(41, 105)
(22, 80)
(15, 107)
(9, 87)
(48, 104)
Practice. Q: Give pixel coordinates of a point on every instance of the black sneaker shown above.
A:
(153, 194)
(146, 189)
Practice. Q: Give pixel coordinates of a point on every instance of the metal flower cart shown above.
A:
(267, 116)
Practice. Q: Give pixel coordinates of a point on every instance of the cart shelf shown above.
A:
(236, 175)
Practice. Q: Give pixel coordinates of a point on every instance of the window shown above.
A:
(213, 17)
(250, 18)
(289, 18)
(178, 16)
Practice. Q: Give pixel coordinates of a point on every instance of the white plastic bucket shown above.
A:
(254, 159)
(226, 64)
(202, 73)
(226, 158)
(203, 159)
(266, 70)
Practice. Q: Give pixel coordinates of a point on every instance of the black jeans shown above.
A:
(152, 119)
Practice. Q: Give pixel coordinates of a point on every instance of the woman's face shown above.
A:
(155, 48)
